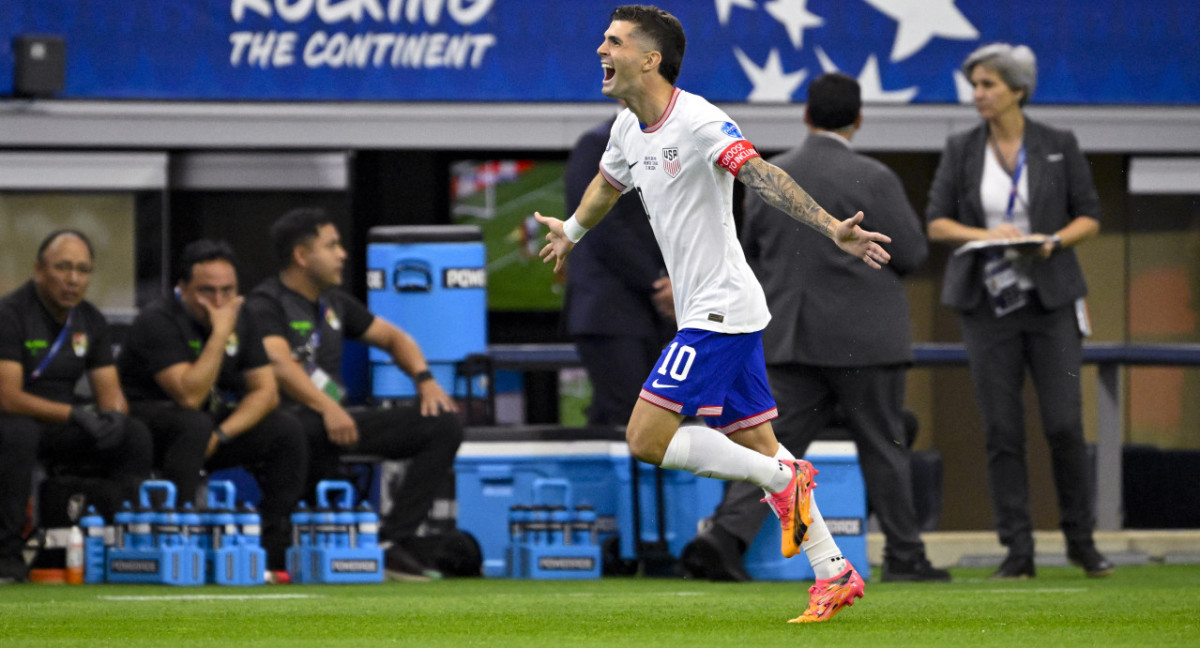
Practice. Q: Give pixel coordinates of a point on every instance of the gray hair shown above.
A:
(1016, 65)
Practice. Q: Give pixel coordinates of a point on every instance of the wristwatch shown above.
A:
(422, 376)
(222, 437)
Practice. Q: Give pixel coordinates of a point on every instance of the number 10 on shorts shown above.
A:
(679, 361)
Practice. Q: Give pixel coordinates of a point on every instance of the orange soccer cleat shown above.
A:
(792, 506)
(827, 597)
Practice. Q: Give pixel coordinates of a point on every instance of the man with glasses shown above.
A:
(50, 337)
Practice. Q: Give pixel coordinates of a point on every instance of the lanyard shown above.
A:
(1016, 179)
(54, 348)
(314, 340)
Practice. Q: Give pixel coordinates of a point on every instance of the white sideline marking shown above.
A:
(1040, 590)
(595, 594)
(208, 597)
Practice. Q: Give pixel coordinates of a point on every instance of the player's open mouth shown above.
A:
(608, 71)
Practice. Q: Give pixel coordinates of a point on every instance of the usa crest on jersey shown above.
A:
(671, 160)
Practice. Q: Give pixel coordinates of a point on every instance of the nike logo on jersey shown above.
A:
(655, 384)
(633, 165)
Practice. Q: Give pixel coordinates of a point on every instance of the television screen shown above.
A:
(500, 197)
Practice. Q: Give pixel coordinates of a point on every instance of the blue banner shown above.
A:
(902, 51)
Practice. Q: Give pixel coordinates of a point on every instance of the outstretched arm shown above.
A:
(597, 200)
(780, 191)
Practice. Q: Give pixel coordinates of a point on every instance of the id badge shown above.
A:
(1003, 286)
(327, 384)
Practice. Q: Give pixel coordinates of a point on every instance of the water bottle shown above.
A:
(224, 529)
(560, 526)
(122, 522)
(191, 523)
(346, 523)
(585, 524)
(141, 534)
(75, 557)
(322, 525)
(301, 526)
(167, 532)
(93, 546)
(368, 527)
(249, 524)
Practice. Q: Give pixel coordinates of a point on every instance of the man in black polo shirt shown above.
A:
(304, 318)
(49, 338)
(197, 375)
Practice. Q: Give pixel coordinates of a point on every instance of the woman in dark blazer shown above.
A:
(1012, 178)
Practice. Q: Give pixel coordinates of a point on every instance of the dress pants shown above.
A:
(871, 399)
(24, 442)
(274, 451)
(431, 442)
(999, 350)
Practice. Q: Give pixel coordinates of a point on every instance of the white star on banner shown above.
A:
(870, 82)
(920, 20)
(962, 85)
(725, 7)
(771, 84)
(795, 17)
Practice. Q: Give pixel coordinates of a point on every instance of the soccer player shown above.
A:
(681, 154)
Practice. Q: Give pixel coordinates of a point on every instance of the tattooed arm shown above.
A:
(780, 191)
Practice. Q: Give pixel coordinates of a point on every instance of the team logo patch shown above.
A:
(332, 318)
(231, 345)
(671, 161)
(79, 344)
(731, 130)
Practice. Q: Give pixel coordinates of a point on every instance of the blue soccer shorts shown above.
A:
(718, 376)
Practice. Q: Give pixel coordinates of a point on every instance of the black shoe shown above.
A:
(1016, 566)
(914, 571)
(1094, 564)
(714, 555)
(400, 565)
(13, 571)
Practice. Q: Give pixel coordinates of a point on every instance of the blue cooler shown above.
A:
(842, 498)
(497, 469)
(431, 281)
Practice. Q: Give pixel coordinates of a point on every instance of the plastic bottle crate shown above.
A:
(554, 540)
(158, 552)
(335, 542)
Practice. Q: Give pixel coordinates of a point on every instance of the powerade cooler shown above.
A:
(431, 281)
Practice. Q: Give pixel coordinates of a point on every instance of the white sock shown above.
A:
(705, 452)
(822, 552)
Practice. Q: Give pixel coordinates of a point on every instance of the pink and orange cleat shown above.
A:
(792, 506)
(827, 597)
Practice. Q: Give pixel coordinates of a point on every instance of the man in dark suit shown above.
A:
(618, 308)
(839, 335)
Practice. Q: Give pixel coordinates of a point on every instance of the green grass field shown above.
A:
(1151, 605)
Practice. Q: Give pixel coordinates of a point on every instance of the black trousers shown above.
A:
(616, 366)
(1049, 345)
(274, 451)
(24, 442)
(871, 400)
(430, 442)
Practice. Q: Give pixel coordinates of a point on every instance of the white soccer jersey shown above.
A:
(683, 167)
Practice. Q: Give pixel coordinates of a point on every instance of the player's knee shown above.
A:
(645, 447)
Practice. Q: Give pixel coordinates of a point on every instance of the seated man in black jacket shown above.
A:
(198, 376)
(304, 317)
(49, 338)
